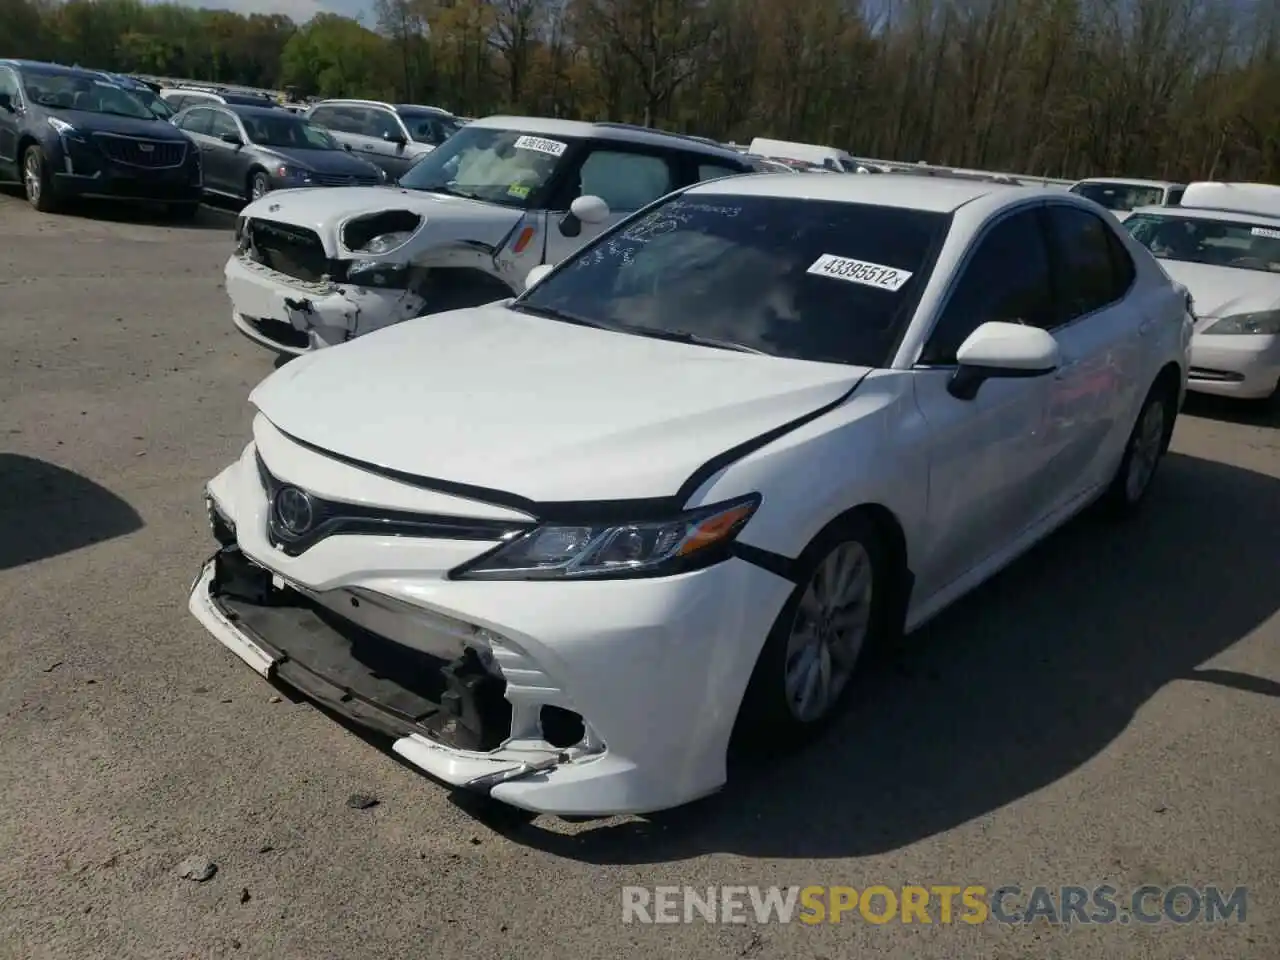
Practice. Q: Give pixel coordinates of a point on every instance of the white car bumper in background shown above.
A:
(294, 316)
(653, 668)
(1236, 365)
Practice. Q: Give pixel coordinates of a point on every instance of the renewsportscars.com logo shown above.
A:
(939, 904)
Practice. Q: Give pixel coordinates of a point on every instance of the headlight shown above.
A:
(385, 243)
(1263, 323)
(373, 273)
(694, 539)
(286, 172)
(64, 129)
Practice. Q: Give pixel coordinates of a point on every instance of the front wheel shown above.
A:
(1144, 451)
(36, 182)
(259, 186)
(835, 613)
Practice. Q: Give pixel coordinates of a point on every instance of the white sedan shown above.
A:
(565, 547)
(1229, 261)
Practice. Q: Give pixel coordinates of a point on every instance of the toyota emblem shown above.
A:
(294, 511)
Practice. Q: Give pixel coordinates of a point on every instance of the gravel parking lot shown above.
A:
(1108, 711)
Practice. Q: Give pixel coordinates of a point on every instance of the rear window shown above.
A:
(808, 279)
(1121, 196)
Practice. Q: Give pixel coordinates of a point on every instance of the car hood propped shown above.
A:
(542, 409)
(447, 218)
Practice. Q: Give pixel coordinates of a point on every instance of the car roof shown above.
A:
(57, 68)
(1210, 213)
(1129, 182)
(423, 108)
(887, 190)
(249, 110)
(623, 132)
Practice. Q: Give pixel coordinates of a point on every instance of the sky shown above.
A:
(300, 10)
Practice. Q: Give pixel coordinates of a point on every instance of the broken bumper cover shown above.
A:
(294, 317)
(655, 668)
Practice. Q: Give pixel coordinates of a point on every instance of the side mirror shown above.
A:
(232, 138)
(587, 209)
(1001, 351)
(6, 103)
(534, 276)
(396, 138)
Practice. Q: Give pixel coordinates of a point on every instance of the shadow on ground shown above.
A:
(1010, 690)
(1254, 413)
(46, 511)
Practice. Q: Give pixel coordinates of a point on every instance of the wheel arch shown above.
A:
(1170, 379)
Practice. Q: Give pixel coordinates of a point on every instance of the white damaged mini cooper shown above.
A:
(461, 228)
(564, 547)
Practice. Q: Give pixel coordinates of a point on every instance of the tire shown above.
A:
(185, 212)
(1143, 452)
(37, 185)
(259, 185)
(769, 719)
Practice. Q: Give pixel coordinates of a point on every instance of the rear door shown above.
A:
(1099, 331)
(196, 123)
(225, 169)
(626, 176)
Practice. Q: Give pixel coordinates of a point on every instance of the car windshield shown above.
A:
(808, 279)
(1218, 243)
(72, 91)
(1121, 196)
(428, 127)
(499, 166)
(284, 129)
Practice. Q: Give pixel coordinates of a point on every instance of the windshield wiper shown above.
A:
(551, 313)
(697, 339)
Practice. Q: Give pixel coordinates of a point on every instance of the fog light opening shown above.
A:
(560, 727)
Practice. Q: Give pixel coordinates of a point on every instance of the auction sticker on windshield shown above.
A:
(1266, 232)
(552, 148)
(859, 271)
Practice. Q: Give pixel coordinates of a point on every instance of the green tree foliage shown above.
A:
(1169, 88)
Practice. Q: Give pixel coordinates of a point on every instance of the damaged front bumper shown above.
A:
(448, 716)
(293, 316)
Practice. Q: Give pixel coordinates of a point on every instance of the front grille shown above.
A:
(344, 180)
(277, 331)
(293, 251)
(137, 152)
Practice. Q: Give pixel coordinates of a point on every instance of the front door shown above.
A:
(624, 176)
(989, 472)
(224, 170)
(10, 162)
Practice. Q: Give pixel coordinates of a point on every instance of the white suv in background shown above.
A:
(394, 136)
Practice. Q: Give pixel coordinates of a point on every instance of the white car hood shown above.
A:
(545, 410)
(447, 218)
(1224, 291)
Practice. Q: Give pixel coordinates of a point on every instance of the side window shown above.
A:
(1123, 271)
(1175, 197)
(9, 85)
(624, 180)
(380, 124)
(710, 171)
(176, 100)
(1085, 275)
(222, 123)
(324, 117)
(197, 120)
(1006, 279)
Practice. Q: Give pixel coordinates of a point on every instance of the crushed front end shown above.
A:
(293, 293)
(576, 699)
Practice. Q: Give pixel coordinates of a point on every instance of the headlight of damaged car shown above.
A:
(386, 242)
(689, 541)
(1263, 323)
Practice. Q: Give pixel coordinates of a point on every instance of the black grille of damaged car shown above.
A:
(294, 251)
(329, 518)
(376, 682)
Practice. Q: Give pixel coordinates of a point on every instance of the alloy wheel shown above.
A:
(1148, 443)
